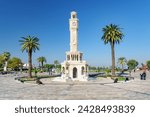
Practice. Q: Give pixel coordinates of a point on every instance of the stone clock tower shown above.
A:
(73, 26)
(74, 67)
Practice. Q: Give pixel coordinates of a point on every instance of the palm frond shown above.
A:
(112, 34)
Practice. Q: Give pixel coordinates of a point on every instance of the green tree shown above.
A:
(58, 67)
(41, 60)
(15, 63)
(56, 62)
(92, 68)
(148, 64)
(98, 69)
(6, 57)
(30, 44)
(107, 71)
(1, 62)
(132, 64)
(122, 61)
(112, 34)
(49, 66)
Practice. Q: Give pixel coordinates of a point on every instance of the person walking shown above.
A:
(144, 75)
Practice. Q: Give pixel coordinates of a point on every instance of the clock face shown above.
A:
(74, 23)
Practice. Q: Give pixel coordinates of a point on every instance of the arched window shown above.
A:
(68, 57)
(71, 57)
(80, 57)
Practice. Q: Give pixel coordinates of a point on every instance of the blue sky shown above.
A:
(49, 21)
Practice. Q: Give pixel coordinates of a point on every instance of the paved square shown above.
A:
(103, 89)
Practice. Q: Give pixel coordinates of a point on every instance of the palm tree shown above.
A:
(122, 61)
(30, 44)
(113, 35)
(41, 60)
(6, 57)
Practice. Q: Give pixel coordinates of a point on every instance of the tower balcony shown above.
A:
(74, 56)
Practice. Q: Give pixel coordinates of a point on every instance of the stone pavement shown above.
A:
(103, 89)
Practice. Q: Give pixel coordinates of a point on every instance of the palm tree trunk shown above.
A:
(30, 64)
(5, 66)
(122, 68)
(42, 66)
(39, 64)
(113, 59)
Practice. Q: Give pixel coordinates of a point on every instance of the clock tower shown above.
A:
(73, 22)
(74, 67)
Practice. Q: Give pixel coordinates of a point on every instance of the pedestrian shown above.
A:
(144, 75)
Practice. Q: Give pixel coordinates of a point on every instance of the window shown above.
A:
(74, 16)
(68, 57)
